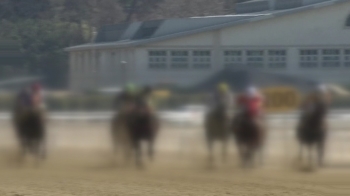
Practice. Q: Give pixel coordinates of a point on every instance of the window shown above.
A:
(201, 59)
(330, 58)
(347, 58)
(157, 59)
(347, 22)
(277, 59)
(308, 58)
(179, 59)
(233, 58)
(255, 58)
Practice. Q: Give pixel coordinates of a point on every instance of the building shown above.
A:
(307, 38)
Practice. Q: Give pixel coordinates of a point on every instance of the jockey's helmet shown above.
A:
(321, 88)
(131, 88)
(223, 87)
(252, 91)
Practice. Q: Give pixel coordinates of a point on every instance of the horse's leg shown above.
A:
(151, 149)
(246, 155)
(310, 155)
(210, 150)
(258, 155)
(36, 144)
(43, 147)
(300, 152)
(241, 153)
(320, 150)
(250, 156)
(115, 146)
(224, 150)
(127, 151)
(23, 148)
(138, 154)
(43, 144)
(128, 144)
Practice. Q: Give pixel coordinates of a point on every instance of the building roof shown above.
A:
(139, 33)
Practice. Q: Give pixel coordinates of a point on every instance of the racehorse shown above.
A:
(30, 129)
(142, 125)
(312, 130)
(216, 128)
(132, 127)
(250, 133)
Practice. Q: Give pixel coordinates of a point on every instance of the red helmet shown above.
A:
(36, 87)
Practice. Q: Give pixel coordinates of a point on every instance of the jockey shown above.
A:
(251, 101)
(37, 96)
(147, 97)
(221, 100)
(320, 93)
(221, 97)
(127, 97)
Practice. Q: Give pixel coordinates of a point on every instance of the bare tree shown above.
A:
(190, 8)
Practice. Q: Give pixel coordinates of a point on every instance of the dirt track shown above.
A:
(80, 164)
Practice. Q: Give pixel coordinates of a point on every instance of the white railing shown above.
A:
(165, 115)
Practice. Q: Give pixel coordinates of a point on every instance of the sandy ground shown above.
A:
(80, 163)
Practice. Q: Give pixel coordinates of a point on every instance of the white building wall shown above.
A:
(318, 28)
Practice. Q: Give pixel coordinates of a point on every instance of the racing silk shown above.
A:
(38, 99)
(222, 100)
(218, 99)
(144, 101)
(252, 105)
(308, 105)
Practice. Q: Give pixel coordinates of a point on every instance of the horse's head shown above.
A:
(318, 112)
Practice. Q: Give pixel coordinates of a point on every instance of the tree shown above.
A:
(43, 42)
(28, 9)
(138, 8)
(185, 8)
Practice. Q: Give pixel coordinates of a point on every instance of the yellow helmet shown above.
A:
(223, 87)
